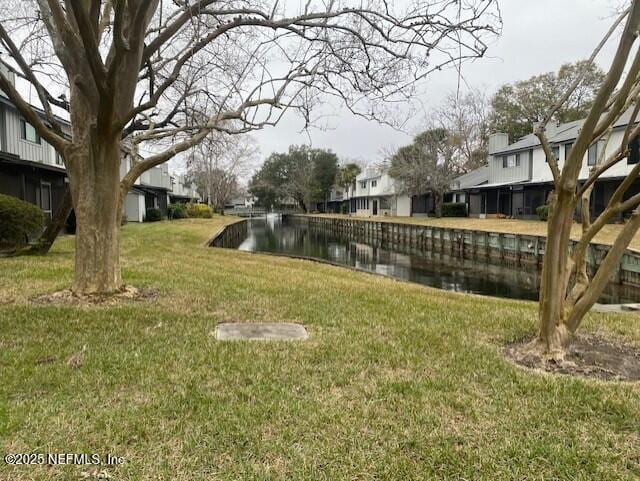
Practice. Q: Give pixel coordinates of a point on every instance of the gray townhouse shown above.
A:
(32, 170)
(517, 178)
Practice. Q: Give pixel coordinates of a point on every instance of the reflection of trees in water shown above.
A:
(436, 269)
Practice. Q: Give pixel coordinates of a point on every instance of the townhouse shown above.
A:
(517, 179)
(376, 193)
(182, 190)
(32, 170)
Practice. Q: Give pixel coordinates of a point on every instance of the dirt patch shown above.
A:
(67, 297)
(589, 356)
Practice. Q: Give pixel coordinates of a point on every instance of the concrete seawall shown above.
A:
(496, 248)
(231, 235)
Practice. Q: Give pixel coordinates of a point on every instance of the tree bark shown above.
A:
(554, 336)
(437, 198)
(54, 227)
(98, 197)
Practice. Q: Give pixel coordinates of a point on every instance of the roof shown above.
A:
(470, 179)
(16, 160)
(558, 134)
(5, 100)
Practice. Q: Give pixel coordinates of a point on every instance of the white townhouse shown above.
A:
(517, 178)
(377, 193)
(182, 190)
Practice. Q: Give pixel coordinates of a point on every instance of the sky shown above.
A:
(538, 36)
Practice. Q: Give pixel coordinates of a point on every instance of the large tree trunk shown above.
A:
(97, 199)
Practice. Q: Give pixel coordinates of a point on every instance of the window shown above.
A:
(634, 151)
(59, 160)
(567, 150)
(374, 183)
(363, 184)
(592, 154)
(556, 153)
(29, 133)
(517, 160)
(505, 161)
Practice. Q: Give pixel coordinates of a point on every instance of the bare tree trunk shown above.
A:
(554, 336)
(98, 198)
(54, 227)
(437, 198)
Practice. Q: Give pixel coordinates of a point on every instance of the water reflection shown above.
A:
(288, 236)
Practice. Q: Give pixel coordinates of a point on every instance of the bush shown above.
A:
(543, 212)
(454, 209)
(202, 211)
(18, 221)
(344, 208)
(153, 215)
(177, 211)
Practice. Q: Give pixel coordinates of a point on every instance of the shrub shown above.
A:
(18, 221)
(153, 215)
(177, 211)
(199, 211)
(344, 208)
(454, 209)
(543, 212)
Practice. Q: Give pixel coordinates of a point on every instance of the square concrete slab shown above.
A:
(261, 331)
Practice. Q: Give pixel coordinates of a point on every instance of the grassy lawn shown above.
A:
(397, 381)
(508, 226)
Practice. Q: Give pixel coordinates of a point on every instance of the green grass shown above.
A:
(397, 381)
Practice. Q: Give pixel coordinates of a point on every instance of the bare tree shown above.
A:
(567, 293)
(429, 164)
(219, 164)
(466, 117)
(132, 68)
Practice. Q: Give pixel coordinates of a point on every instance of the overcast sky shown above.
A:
(538, 36)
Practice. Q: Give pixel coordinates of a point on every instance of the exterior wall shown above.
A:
(403, 206)
(44, 188)
(499, 174)
(26, 150)
(134, 207)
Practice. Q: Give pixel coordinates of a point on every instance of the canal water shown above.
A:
(287, 236)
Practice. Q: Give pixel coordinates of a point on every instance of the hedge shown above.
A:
(18, 221)
(177, 211)
(543, 212)
(199, 210)
(153, 215)
(454, 209)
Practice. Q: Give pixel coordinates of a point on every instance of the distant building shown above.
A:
(377, 193)
(182, 190)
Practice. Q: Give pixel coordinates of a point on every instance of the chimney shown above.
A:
(498, 142)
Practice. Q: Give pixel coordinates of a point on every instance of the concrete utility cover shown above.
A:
(256, 331)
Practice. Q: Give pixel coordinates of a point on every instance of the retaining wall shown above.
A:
(498, 248)
(231, 235)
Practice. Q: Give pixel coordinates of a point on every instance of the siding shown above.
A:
(499, 174)
(26, 150)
